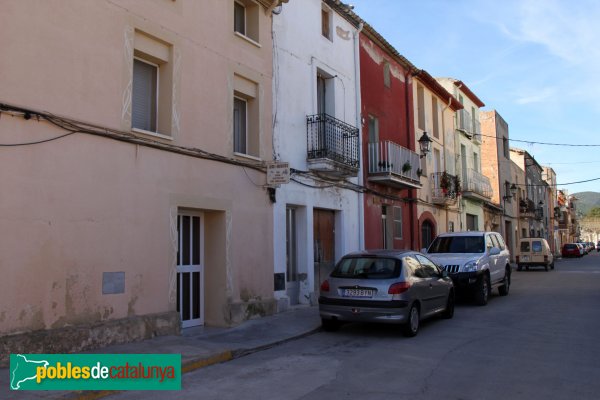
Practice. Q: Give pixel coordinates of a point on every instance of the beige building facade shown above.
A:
(133, 197)
(434, 112)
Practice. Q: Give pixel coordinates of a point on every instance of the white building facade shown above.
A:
(317, 216)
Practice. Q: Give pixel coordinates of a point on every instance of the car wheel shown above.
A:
(449, 311)
(482, 291)
(330, 325)
(552, 265)
(505, 287)
(411, 328)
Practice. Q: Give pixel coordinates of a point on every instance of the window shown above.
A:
(387, 80)
(240, 122)
(245, 116)
(145, 95)
(245, 19)
(488, 242)
(476, 164)
(450, 226)
(373, 129)
(152, 85)
(472, 224)
(434, 114)
(326, 23)
(437, 160)
(507, 194)
(397, 222)
(428, 267)
(421, 107)
(239, 18)
(506, 147)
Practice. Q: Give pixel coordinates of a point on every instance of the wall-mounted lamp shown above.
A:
(513, 192)
(424, 144)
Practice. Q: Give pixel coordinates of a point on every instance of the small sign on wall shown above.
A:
(278, 173)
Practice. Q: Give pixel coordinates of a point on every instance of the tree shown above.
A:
(594, 213)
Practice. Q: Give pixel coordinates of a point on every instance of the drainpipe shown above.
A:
(361, 196)
(412, 193)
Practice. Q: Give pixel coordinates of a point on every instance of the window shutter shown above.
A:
(239, 125)
(143, 98)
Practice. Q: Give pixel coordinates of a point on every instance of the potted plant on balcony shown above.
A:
(445, 183)
(406, 167)
(420, 172)
(457, 186)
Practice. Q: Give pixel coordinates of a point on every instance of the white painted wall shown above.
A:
(299, 51)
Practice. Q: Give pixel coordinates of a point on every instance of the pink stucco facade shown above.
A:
(78, 207)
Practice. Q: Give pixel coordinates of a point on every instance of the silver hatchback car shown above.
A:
(387, 286)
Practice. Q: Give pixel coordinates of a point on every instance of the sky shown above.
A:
(536, 62)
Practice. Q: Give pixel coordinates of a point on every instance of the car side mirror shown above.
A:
(444, 273)
(424, 250)
(494, 251)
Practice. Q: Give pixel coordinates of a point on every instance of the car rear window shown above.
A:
(367, 268)
(525, 246)
(570, 246)
(537, 246)
(457, 244)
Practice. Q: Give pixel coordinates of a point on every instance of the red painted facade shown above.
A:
(392, 105)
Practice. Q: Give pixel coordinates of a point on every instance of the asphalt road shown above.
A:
(539, 342)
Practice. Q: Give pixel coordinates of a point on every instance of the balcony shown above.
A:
(526, 208)
(445, 188)
(477, 186)
(393, 165)
(332, 146)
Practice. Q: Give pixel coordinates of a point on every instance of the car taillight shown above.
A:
(325, 286)
(517, 257)
(399, 287)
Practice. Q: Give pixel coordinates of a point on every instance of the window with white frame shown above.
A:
(373, 129)
(152, 85)
(246, 124)
(397, 222)
(245, 19)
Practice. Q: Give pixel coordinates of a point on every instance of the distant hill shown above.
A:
(587, 201)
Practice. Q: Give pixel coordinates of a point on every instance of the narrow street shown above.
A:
(540, 342)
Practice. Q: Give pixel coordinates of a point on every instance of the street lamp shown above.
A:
(424, 144)
(513, 191)
(509, 196)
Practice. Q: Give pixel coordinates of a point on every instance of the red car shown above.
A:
(570, 250)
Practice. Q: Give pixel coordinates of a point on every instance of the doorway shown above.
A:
(291, 252)
(426, 233)
(190, 268)
(324, 244)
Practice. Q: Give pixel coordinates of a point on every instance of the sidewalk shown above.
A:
(199, 347)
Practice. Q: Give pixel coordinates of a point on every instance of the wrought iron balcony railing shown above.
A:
(478, 184)
(445, 188)
(331, 139)
(392, 164)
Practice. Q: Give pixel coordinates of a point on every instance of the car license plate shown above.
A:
(358, 293)
(525, 258)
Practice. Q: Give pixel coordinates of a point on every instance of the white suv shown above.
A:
(474, 260)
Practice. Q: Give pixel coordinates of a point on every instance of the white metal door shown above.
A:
(190, 268)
